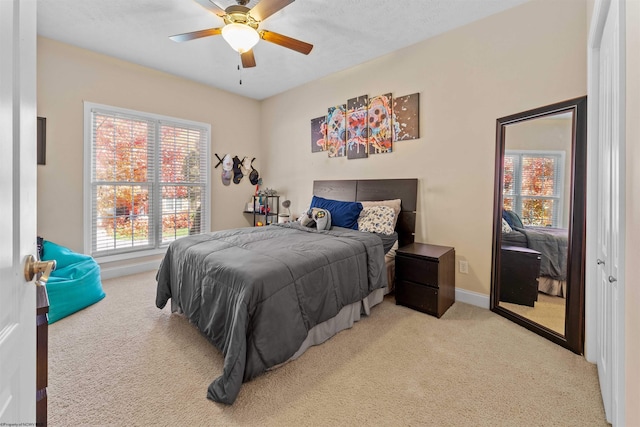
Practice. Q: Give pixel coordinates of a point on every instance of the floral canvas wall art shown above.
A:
(379, 124)
(357, 137)
(319, 134)
(406, 117)
(366, 125)
(336, 131)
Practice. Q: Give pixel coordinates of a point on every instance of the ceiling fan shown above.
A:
(241, 28)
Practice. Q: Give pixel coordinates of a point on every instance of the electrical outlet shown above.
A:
(464, 267)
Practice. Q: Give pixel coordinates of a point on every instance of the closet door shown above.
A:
(610, 200)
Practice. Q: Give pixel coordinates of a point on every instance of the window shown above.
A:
(533, 184)
(146, 180)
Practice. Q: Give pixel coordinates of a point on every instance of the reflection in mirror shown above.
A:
(539, 223)
(536, 204)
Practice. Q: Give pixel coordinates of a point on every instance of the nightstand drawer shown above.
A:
(420, 297)
(417, 270)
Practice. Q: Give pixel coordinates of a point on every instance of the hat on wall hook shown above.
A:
(254, 176)
(227, 167)
(237, 171)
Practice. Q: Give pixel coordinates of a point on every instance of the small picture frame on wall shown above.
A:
(42, 140)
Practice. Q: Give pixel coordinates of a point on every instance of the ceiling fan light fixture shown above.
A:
(240, 37)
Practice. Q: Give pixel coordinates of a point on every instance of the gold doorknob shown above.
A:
(33, 267)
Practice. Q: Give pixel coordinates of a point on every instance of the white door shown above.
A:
(610, 199)
(17, 210)
(604, 231)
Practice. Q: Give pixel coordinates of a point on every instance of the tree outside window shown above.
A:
(149, 181)
(532, 186)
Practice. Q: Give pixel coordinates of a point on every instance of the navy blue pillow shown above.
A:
(343, 214)
(507, 218)
(512, 218)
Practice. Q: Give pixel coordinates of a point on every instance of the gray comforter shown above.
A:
(256, 292)
(552, 243)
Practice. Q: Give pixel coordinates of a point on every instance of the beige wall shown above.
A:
(529, 56)
(632, 267)
(523, 58)
(67, 76)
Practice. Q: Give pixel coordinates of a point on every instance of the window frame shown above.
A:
(158, 247)
(518, 197)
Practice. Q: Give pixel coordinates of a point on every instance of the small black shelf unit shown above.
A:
(265, 210)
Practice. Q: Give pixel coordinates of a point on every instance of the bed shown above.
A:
(552, 243)
(263, 295)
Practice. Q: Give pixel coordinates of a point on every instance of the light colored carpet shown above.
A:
(123, 362)
(548, 311)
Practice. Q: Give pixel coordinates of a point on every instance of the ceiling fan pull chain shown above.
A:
(239, 68)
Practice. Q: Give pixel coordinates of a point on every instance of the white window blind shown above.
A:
(533, 184)
(148, 180)
(182, 179)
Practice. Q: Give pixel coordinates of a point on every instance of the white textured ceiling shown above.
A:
(344, 33)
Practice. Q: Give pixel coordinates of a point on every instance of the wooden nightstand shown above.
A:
(519, 272)
(425, 277)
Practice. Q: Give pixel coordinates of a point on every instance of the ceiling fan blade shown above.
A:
(288, 42)
(211, 7)
(248, 59)
(266, 8)
(196, 35)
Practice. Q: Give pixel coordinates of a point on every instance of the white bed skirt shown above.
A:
(552, 287)
(348, 315)
(343, 320)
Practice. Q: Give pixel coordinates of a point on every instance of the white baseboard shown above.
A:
(473, 298)
(125, 270)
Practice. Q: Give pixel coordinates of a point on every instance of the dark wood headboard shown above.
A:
(361, 190)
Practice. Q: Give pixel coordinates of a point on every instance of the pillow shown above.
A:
(506, 228)
(376, 219)
(343, 214)
(507, 217)
(512, 219)
(395, 204)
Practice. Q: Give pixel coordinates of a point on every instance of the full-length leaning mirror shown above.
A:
(539, 221)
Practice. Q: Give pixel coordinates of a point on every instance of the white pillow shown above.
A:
(506, 228)
(376, 219)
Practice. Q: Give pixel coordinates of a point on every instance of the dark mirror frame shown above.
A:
(573, 338)
(42, 141)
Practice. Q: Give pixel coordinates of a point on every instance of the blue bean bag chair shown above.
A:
(74, 284)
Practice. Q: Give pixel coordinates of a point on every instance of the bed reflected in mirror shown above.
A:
(538, 246)
(535, 228)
